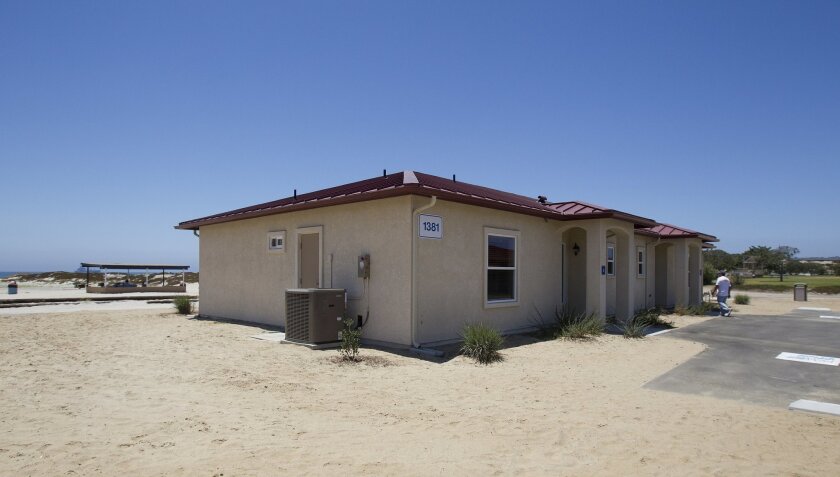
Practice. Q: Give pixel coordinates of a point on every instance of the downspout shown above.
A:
(414, 216)
(195, 232)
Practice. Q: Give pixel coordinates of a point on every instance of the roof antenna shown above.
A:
(384, 173)
(295, 194)
(453, 178)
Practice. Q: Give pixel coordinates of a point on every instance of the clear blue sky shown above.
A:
(120, 119)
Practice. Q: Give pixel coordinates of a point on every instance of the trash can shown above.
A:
(800, 292)
(13, 288)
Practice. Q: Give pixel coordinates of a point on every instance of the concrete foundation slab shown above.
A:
(278, 336)
(815, 406)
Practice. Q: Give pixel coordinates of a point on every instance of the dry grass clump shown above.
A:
(482, 343)
(183, 304)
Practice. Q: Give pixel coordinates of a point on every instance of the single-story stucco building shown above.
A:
(442, 253)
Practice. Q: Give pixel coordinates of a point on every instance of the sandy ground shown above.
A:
(154, 393)
(768, 303)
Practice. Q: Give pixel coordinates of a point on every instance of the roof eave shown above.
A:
(347, 199)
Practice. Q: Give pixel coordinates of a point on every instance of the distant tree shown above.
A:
(765, 257)
(836, 268)
(787, 252)
(816, 268)
(709, 273)
(721, 260)
(795, 267)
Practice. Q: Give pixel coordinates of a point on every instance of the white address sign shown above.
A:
(430, 226)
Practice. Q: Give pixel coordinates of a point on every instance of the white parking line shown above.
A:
(808, 308)
(830, 317)
(815, 406)
(809, 358)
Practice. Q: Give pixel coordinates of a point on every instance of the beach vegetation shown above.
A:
(482, 343)
(351, 338)
(183, 304)
(636, 326)
(653, 317)
(701, 309)
(575, 325)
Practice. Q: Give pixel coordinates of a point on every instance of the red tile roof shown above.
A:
(577, 208)
(672, 231)
(418, 183)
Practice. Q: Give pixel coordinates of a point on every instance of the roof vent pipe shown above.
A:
(453, 178)
(384, 173)
(295, 194)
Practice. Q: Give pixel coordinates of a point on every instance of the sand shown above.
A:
(148, 392)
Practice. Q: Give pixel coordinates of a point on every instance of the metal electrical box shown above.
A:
(364, 266)
(314, 315)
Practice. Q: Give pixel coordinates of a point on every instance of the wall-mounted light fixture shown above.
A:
(576, 249)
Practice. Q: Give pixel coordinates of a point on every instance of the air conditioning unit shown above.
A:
(314, 315)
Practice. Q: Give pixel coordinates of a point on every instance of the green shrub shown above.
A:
(709, 274)
(482, 343)
(351, 338)
(742, 299)
(830, 289)
(183, 304)
(652, 316)
(737, 279)
(575, 325)
(635, 327)
(695, 310)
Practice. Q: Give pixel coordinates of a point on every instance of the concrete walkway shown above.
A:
(741, 363)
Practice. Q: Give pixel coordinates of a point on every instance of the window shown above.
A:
(501, 266)
(610, 260)
(277, 241)
(640, 261)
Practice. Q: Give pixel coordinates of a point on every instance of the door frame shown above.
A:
(318, 229)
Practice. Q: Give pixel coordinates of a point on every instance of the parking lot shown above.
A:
(741, 360)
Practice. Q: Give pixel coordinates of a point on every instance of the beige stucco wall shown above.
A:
(451, 271)
(576, 269)
(645, 286)
(242, 280)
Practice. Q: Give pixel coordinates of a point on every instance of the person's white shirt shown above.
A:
(723, 285)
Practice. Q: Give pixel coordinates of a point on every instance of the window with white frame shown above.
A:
(501, 266)
(277, 241)
(610, 260)
(640, 261)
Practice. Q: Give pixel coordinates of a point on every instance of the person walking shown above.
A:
(723, 287)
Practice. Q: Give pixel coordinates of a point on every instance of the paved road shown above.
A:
(741, 363)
